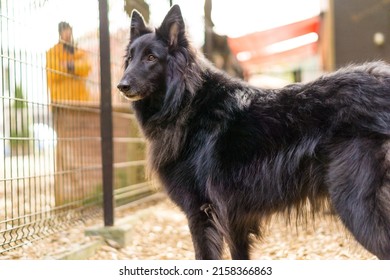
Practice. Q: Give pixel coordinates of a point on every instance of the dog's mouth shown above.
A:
(127, 92)
(130, 96)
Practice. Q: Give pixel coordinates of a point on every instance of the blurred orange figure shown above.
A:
(67, 68)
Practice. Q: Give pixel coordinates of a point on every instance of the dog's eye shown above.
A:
(128, 60)
(151, 57)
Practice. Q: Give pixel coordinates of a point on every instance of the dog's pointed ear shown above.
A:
(138, 26)
(172, 29)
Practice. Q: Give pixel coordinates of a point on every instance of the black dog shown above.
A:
(230, 155)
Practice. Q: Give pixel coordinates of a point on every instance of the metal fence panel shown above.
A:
(50, 134)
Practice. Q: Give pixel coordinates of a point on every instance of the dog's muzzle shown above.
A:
(123, 86)
(125, 89)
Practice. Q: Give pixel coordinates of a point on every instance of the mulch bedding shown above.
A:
(163, 234)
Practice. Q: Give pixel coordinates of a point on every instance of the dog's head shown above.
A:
(159, 63)
(147, 55)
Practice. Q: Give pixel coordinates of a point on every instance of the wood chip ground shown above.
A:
(165, 235)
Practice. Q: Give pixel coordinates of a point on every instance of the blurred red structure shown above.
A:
(288, 43)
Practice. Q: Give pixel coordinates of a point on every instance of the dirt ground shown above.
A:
(164, 234)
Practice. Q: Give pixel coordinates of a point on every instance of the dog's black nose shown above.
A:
(123, 86)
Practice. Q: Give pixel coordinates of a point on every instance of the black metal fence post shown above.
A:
(106, 114)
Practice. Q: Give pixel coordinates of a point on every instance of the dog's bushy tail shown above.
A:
(359, 188)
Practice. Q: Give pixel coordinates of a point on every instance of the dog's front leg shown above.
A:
(239, 241)
(207, 240)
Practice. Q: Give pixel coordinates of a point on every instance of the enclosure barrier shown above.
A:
(52, 119)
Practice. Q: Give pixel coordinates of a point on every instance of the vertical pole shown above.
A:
(208, 29)
(106, 114)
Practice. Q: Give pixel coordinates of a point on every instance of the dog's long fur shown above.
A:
(230, 155)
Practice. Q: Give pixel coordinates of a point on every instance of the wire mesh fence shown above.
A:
(50, 134)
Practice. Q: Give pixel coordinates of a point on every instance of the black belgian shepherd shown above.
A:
(230, 155)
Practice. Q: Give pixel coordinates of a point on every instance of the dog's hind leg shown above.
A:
(359, 188)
